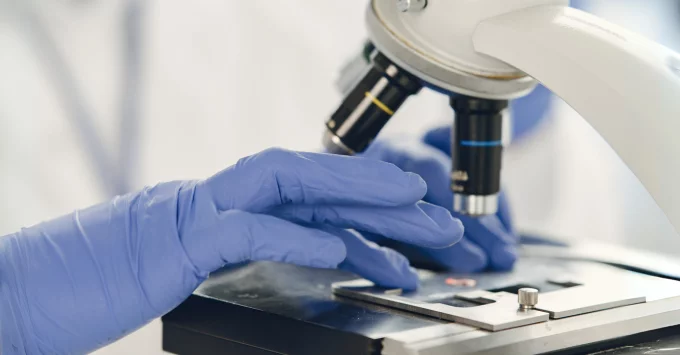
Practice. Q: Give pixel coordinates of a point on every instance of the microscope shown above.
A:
(484, 53)
(559, 299)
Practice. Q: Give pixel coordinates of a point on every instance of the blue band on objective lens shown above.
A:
(481, 143)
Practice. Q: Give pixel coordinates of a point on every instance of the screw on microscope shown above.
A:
(411, 5)
(527, 298)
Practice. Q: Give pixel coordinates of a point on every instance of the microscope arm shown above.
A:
(625, 86)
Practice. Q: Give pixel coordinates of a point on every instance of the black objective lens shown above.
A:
(477, 145)
(368, 107)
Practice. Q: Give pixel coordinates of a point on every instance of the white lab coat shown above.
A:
(225, 79)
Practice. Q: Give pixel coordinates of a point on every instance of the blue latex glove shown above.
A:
(81, 281)
(528, 112)
(489, 242)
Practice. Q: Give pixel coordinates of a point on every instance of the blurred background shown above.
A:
(98, 98)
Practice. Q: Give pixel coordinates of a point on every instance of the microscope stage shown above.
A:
(268, 308)
(566, 290)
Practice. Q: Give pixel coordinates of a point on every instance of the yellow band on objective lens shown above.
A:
(379, 104)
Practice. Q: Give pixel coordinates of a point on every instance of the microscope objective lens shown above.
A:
(369, 106)
(476, 153)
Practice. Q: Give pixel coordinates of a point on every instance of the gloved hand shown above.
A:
(81, 281)
(489, 242)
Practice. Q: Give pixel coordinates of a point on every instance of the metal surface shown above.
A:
(334, 145)
(646, 262)
(590, 298)
(495, 309)
(542, 338)
(295, 308)
(500, 311)
(663, 342)
(279, 308)
(475, 206)
(429, 68)
(600, 285)
(305, 294)
(527, 298)
(411, 5)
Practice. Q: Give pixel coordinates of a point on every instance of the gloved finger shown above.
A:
(505, 216)
(464, 257)
(419, 224)
(489, 233)
(278, 176)
(384, 266)
(439, 138)
(529, 111)
(417, 157)
(235, 236)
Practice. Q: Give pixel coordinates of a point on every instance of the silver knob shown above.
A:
(411, 5)
(527, 298)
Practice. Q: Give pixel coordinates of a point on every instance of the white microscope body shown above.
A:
(625, 86)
